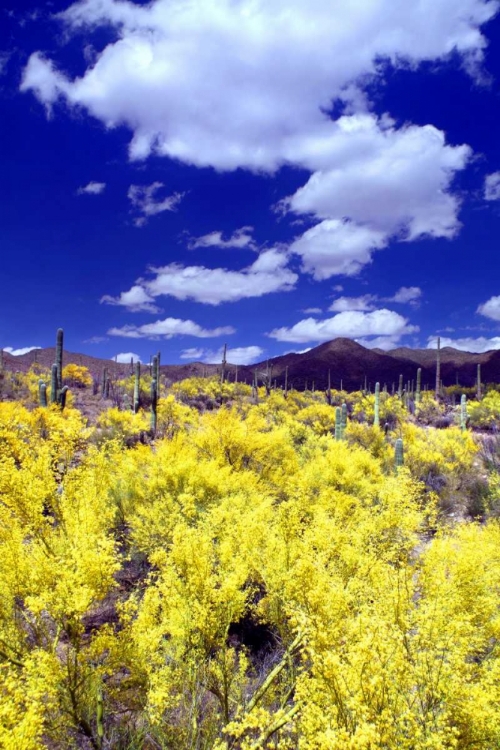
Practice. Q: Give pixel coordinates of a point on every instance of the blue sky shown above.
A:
(181, 174)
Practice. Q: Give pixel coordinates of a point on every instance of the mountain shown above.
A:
(349, 363)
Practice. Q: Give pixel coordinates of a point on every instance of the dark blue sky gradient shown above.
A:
(60, 252)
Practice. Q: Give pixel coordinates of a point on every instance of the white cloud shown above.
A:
(364, 303)
(491, 308)
(168, 328)
(92, 188)
(143, 199)
(19, 352)
(249, 84)
(380, 342)
(95, 340)
(125, 357)
(192, 353)
(351, 324)
(467, 344)
(268, 273)
(336, 247)
(406, 294)
(492, 187)
(240, 239)
(135, 300)
(313, 311)
(240, 355)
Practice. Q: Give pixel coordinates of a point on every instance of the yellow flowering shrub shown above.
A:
(243, 580)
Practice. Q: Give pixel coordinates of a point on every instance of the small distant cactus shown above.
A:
(419, 385)
(479, 394)
(338, 423)
(344, 420)
(398, 453)
(224, 363)
(137, 387)
(463, 412)
(59, 356)
(42, 392)
(376, 418)
(400, 389)
(154, 404)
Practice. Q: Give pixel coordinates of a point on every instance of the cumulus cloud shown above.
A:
(336, 247)
(168, 328)
(492, 187)
(143, 199)
(275, 69)
(92, 188)
(135, 300)
(380, 342)
(192, 353)
(268, 273)
(240, 355)
(350, 324)
(406, 294)
(364, 303)
(240, 239)
(467, 344)
(491, 308)
(125, 357)
(19, 352)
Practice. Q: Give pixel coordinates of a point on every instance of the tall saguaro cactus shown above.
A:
(419, 385)
(59, 356)
(479, 383)
(286, 381)
(338, 423)
(329, 390)
(54, 387)
(137, 387)
(154, 405)
(376, 418)
(438, 368)
(463, 412)
(344, 419)
(400, 388)
(42, 392)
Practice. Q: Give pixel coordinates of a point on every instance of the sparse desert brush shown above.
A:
(76, 376)
(485, 414)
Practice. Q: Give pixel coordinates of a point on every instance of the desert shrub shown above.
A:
(485, 414)
(76, 376)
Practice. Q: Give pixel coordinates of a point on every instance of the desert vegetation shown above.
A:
(219, 565)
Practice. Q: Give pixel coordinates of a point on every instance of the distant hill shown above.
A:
(349, 363)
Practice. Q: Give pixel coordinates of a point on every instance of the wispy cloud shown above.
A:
(143, 199)
(92, 188)
(240, 239)
(169, 328)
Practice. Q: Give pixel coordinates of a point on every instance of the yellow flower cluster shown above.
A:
(244, 581)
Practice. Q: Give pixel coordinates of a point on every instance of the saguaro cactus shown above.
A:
(53, 384)
(137, 387)
(344, 419)
(62, 396)
(419, 385)
(438, 368)
(154, 404)
(376, 418)
(42, 393)
(329, 390)
(463, 412)
(400, 388)
(224, 363)
(338, 423)
(286, 381)
(479, 383)
(59, 356)
(398, 453)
